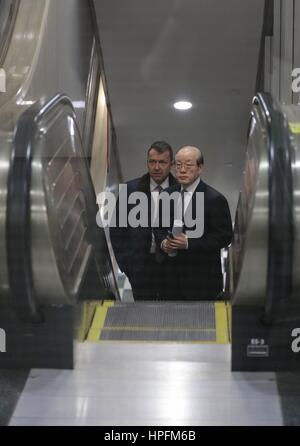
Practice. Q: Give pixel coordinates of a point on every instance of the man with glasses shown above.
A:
(135, 248)
(195, 263)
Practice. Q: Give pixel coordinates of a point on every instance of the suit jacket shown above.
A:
(132, 245)
(195, 273)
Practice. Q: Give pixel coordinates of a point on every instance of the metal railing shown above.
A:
(18, 226)
(9, 10)
(18, 221)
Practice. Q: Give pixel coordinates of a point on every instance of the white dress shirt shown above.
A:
(155, 195)
(188, 194)
(189, 191)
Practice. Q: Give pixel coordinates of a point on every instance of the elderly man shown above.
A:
(195, 263)
(135, 248)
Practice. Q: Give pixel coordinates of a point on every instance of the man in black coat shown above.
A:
(195, 261)
(135, 248)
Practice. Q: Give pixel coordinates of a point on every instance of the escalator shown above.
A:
(54, 257)
(264, 259)
(52, 236)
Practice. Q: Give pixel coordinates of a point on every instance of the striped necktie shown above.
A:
(153, 248)
(183, 192)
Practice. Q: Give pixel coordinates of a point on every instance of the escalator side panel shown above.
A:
(52, 48)
(61, 194)
(9, 10)
(262, 326)
(251, 222)
(292, 114)
(278, 303)
(19, 64)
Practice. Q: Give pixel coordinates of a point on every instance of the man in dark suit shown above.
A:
(135, 248)
(195, 262)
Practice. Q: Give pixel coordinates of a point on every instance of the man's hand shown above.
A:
(171, 245)
(165, 246)
(178, 242)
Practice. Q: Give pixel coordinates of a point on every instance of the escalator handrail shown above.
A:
(18, 228)
(6, 33)
(267, 30)
(281, 231)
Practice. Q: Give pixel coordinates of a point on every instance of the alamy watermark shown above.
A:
(2, 341)
(296, 342)
(133, 211)
(2, 81)
(296, 81)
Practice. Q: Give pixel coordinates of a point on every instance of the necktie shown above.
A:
(182, 201)
(183, 192)
(153, 248)
(158, 189)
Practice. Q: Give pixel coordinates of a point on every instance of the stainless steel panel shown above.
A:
(249, 250)
(250, 247)
(49, 51)
(8, 13)
(19, 64)
(60, 190)
(292, 113)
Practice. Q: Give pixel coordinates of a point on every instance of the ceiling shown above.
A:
(156, 52)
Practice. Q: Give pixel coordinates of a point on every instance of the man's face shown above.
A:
(159, 165)
(187, 169)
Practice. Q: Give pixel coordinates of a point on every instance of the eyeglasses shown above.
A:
(187, 166)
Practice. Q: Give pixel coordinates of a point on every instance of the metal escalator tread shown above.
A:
(178, 322)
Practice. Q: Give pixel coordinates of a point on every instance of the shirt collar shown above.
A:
(154, 185)
(192, 187)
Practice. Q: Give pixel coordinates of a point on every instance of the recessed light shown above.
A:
(183, 105)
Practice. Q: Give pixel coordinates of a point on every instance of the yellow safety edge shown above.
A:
(99, 320)
(295, 127)
(88, 312)
(222, 335)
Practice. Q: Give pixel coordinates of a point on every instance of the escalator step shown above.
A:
(160, 321)
(162, 315)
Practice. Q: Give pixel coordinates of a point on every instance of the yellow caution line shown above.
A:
(98, 321)
(136, 328)
(89, 309)
(221, 323)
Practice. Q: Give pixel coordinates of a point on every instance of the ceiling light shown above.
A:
(183, 105)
